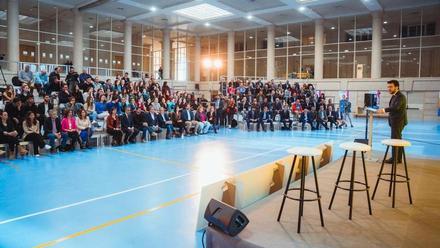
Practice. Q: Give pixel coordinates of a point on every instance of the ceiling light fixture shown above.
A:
(153, 9)
(385, 22)
(203, 12)
(333, 28)
(207, 24)
(302, 9)
(249, 17)
(91, 26)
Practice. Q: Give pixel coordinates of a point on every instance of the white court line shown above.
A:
(92, 199)
(123, 192)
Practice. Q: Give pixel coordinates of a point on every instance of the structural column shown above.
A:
(376, 46)
(270, 72)
(319, 49)
(166, 54)
(13, 38)
(127, 46)
(197, 60)
(230, 60)
(77, 40)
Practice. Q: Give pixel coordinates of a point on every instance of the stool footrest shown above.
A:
(390, 180)
(298, 199)
(357, 182)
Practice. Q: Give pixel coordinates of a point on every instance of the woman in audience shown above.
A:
(9, 136)
(89, 107)
(212, 118)
(101, 108)
(114, 127)
(178, 123)
(202, 119)
(31, 129)
(84, 128)
(8, 94)
(69, 127)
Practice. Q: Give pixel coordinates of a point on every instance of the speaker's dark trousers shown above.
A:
(396, 133)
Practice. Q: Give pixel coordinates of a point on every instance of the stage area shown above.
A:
(146, 195)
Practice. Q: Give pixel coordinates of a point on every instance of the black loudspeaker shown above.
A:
(370, 100)
(225, 218)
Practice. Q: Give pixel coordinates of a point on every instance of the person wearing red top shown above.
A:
(297, 107)
(202, 119)
(114, 128)
(68, 126)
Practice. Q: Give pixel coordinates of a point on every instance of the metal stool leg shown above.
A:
(287, 189)
(317, 191)
(301, 197)
(337, 180)
(352, 184)
(366, 183)
(396, 152)
(380, 172)
(393, 151)
(406, 174)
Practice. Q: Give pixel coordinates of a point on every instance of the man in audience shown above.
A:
(188, 119)
(153, 123)
(43, 108)
(285, 118)
(52, 130)
(140, 123)
(332, 117)
(165, 122)
(26, 76)
(41, 80)
(265, 117)
(72, 79)
(321, 118)
(306, 117)
(84, 76)
(127, 126)
(55, 80)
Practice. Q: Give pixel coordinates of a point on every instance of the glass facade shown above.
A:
(410, 45)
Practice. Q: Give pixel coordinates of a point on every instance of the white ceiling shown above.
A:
(263, 12)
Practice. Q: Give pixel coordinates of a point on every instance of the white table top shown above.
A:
(396, 142)
(355, 146)
(304, 151)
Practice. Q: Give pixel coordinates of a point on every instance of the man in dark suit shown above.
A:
(140, 123)
(165, 122)
(265, 117)
(285, 118)
(43, 109)
(188, 118)
(252, 117)
(127, 126)
(397, 118)
(332, 117)
(306, 117)
(153, 123)
(52, 130)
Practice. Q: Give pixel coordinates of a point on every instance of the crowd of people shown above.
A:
(74, 107)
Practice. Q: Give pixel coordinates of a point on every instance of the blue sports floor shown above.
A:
(146, 195)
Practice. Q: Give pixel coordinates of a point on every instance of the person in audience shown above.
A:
(306, 117)
(140, 123)
(253, 116)
(84, 76)
(101, 108)
(9, 136)
(69, 126)
(332, 116)
(127, 126)
(188, 118)
(16, 113)
(44, 108)
(89, 107)
(165, 122)
(73, 105)
(41, 80)
(114, 127)
(347, 112)
(265, 117)
(321, 118)
(26, 76)
(52, 131)
(153, 123)
(85, 128)
(72, 79)
(55, 82)
(31, 129)
(29, 105)
(212, 118)
(25, 92)
(285, 118)
(178, 124)
(203, 124)
(64, 96)
(8, 95)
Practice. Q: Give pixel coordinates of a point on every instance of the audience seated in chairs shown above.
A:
(140, 123)
(202, 121)
(188, 118)
(306, 117)
(31, 129)
(253, 116)
(285, 118)
(265, 117)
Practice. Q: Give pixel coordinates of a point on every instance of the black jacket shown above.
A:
(162, 120)
(127, 121)
(152, 121)
(41, 108)
(138, 120)
(397, 111)
(48, 127)
(184, 115)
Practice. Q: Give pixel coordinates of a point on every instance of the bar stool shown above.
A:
(354, 147)
(304, 153)
(397, 144)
